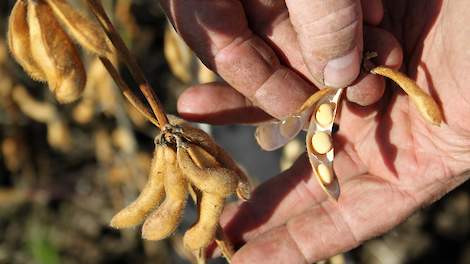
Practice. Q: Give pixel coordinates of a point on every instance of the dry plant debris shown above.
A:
(320, 111)
(58, 134)
(187, 162)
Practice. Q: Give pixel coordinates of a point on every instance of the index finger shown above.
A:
(218, 32)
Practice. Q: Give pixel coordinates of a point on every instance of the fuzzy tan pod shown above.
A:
(19, 41)
(202, 233)
(203, 140)
(84, 30)
(427, 107)
(55, 53)
(149, 198)
(205, 172)
(164, 221)
(243, 189)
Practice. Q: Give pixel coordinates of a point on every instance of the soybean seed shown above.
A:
(324, 114)
(321, 142)
(325, 174)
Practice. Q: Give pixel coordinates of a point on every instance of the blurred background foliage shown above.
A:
(62, 180)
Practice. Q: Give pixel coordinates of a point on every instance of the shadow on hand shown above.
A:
(265, 200)
(245, 115)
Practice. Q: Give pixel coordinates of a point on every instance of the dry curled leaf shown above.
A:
(55, 53)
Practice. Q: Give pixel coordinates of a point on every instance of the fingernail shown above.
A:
(342, 71)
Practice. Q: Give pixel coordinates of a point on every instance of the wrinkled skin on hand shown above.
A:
(389, 161)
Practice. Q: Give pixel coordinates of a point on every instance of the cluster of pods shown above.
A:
(39, 38)
(186, 162)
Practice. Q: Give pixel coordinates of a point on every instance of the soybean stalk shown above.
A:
(224, 244)
(125, 55)
(127, 91)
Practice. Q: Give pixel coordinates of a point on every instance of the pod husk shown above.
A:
(55, 53)
(164, 221)
(85, 31)
(19, 41)
(150, 197)
(200, 235)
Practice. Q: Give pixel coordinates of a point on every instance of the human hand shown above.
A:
(262, 49)
(388, 160)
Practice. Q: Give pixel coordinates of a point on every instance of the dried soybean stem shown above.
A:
(97, 9)
(127, 91)
(224, 244)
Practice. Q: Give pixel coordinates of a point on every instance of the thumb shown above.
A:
(330, 37)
